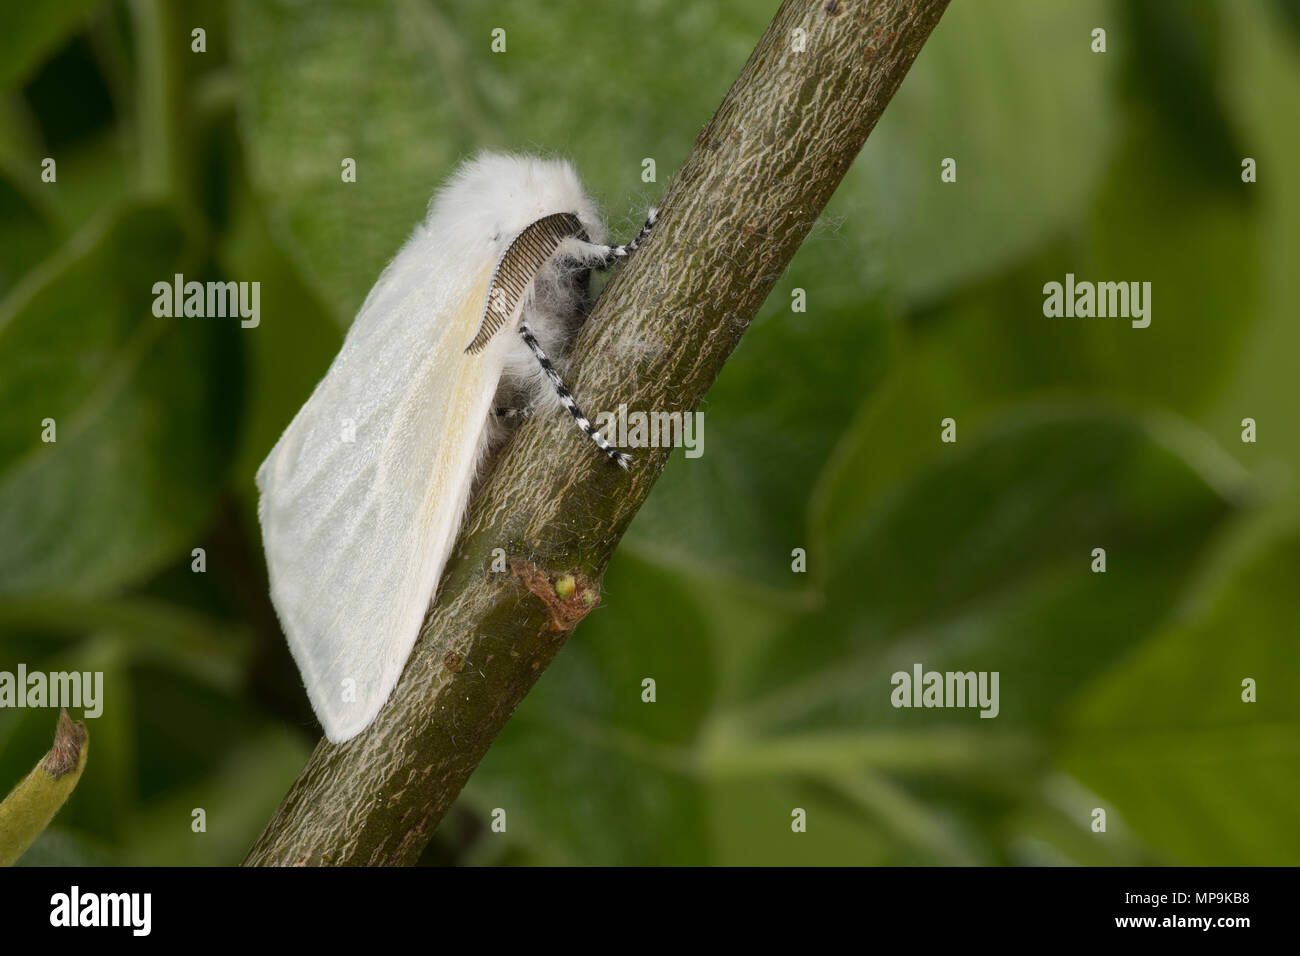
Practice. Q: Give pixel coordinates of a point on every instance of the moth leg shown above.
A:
(602, 257)
(623, 251)
(566, 399)
(505, 413)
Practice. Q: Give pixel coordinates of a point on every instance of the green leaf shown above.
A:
(239, 793)
(93, 177)
(144, 408)
(1173, 63)
(1201, 260)
(985, 556)
(151, 631)
(1168, 742)
(303, 112)
(967, 357)
(26, 236)
(1262, 385)
(1013, 93)
(31, 31)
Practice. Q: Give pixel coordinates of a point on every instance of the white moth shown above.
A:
(363, 494)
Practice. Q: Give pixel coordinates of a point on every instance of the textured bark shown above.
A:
(731, 220)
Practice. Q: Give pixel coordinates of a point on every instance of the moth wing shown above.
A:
(362, 496)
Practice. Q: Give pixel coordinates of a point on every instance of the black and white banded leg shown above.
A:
(602, 257)
(623, 251)
(566, 399)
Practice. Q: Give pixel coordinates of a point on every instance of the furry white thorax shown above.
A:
(492, 199)
(497, 196)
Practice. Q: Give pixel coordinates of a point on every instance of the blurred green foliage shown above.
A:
(1119, 691)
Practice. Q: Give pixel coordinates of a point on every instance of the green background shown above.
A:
(924, 301)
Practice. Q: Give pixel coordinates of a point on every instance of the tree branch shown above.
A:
(731, 220)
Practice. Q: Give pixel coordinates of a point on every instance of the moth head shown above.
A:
(527, 254)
